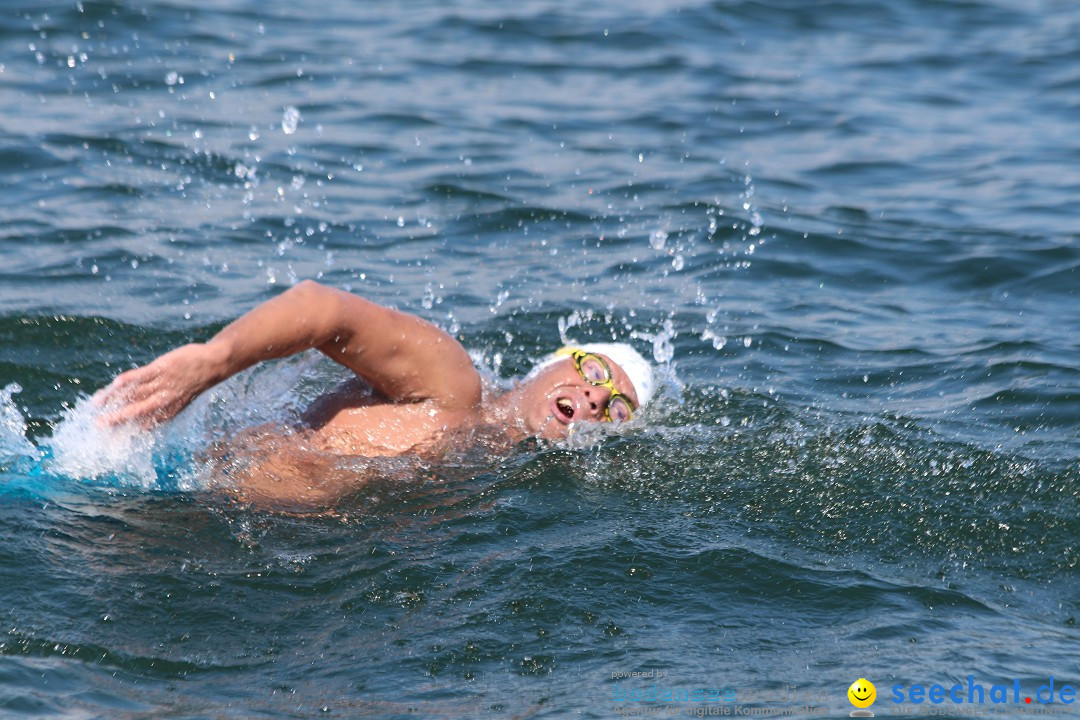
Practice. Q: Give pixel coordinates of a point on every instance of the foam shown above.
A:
(13, 442)
(81, 449)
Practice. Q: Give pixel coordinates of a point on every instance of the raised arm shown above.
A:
(403, 357)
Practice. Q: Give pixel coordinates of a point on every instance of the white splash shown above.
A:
(82, 449)
(13, 442)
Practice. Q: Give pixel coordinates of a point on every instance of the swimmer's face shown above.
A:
(558, 396)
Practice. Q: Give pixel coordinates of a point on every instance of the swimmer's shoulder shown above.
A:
(379, 429)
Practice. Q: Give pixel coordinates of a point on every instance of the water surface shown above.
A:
(845, 233)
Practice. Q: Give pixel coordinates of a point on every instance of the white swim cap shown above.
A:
(636, 367)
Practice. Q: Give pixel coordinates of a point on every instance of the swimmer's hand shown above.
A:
(157, 392)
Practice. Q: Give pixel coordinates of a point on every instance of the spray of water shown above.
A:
(81, 448)
(13, 443)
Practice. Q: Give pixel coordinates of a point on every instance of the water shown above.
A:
(846, 232)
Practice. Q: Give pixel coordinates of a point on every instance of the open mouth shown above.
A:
(564, 409)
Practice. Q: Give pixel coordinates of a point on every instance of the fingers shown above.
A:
(136, 396)
(145, 413)
(117, 401)
(115, 390)
(150, 394)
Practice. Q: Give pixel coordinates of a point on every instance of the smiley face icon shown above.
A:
(862, 694)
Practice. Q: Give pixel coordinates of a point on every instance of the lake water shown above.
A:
(845, 232)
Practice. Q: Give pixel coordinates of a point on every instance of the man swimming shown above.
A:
(423, 381)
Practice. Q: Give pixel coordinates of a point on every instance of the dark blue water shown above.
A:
(846, 233)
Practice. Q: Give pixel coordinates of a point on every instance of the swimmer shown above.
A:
(419, 383)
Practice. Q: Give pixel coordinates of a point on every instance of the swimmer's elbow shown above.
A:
(322, 310)
(309, 292)
(308, 286)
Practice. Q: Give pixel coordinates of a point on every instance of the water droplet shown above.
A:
(290, 119)
(663, 347)
(658, 239)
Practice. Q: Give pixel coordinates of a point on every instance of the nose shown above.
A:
(597, 396)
